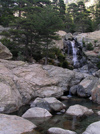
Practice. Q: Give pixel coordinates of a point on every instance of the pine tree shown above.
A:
(34, 32)
(6, 12)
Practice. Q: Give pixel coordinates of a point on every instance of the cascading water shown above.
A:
(74, 52)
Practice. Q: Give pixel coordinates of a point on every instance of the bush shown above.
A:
(89, 46)
(98, 65)
(11, 46)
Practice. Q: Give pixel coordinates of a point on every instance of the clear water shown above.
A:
(68, 122)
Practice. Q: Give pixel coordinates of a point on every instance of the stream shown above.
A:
(69, 122)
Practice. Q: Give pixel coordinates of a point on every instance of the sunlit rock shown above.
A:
(36, 112)
(56, 130)
(93, 128)
(11, 124)
(78, 110)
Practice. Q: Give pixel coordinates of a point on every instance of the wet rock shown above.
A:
(64, 98)
(56, 130)
(11, 124)
(78, 110)
(93, 128)
(55, 104)
(36, 112)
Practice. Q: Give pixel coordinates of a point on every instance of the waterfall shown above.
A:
(74, 52)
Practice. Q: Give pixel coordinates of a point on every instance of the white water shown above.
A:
(74, 52)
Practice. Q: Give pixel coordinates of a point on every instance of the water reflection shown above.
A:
(74, 122)
(64, 121)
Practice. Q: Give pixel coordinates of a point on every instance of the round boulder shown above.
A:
(79, 110)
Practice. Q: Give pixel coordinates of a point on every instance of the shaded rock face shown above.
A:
(15, 125)
(93, 128)
(85, 87)
(72, 47)
(20, 82)
(96, 93)
(49, 103)
(78, 110)
(5, 52)
(56, 130)
(41, 102)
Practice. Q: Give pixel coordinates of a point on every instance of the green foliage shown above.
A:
(80, 16)
(89, 46)
(34, 31)
(83, 42)
(98, 65)
(95, 41)
(13, 47)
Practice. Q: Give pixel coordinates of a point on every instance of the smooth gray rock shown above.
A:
(93, 128)
(36, 112)
(78, 110)
(55, 104)
(56, 130)
(11, 124)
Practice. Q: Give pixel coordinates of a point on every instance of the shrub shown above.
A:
(89, 46)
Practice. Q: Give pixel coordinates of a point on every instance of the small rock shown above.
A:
(64, 98)
(56, 130)
(98, 112)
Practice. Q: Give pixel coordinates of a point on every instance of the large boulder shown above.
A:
(21, 82)
(56, 130)
(86, 86)
(5, 52)
(93, 128)
(78, 110)
(36, 112)
(64, 76)
(11, 124)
